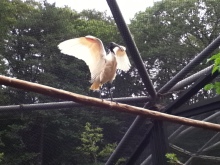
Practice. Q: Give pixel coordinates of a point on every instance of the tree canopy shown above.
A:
(171, 33)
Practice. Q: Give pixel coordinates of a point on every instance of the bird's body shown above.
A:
(107, 74)
(102, 66)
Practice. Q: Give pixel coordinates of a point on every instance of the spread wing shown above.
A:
(89, 49)
(123, 62)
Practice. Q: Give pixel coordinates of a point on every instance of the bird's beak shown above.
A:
(121, 48)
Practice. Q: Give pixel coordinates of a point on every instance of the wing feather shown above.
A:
(123, 62)
(89, 49)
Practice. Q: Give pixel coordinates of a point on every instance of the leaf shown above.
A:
(209, 87)
(218, 90)
(217, 61)
(216, 56)
(214, 69)
(172, 158)
(217, 84)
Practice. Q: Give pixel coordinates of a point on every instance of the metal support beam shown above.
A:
(177, 103)
(142, 71)
(126, 138)
(141, 147)
(131, 47)
(158, 144)
(64, 104)
(216, 136)
(196, 61)
(199, 108)
(190, 79)
(191, 91)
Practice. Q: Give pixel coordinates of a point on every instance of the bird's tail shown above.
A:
(95, 86)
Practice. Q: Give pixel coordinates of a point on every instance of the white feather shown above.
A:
(89, 49)
(123, 62)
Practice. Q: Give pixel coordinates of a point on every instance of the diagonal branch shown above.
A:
(53, 92)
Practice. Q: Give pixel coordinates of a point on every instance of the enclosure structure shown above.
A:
(155, 134)
(153, 146)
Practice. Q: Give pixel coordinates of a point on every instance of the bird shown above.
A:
(102, 64)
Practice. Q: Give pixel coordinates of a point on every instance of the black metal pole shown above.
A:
(64, 104)
(191, 91)
(177, 103)
(190, 79)
(174, 80)
(131, 47)
(196, 61)
(142, 71)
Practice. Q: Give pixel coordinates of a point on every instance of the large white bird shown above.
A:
(102, 66)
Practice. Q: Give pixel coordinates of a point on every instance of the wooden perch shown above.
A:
(53, 92)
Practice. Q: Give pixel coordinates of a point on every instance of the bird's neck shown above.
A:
(110, 56)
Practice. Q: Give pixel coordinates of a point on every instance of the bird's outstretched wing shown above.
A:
(89, 49)
(123, 62)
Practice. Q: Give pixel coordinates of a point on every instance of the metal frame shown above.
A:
(136, 58)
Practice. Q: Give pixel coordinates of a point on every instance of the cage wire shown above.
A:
(168, 45)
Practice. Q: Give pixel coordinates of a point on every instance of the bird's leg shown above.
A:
(109, 86)
(100, 93)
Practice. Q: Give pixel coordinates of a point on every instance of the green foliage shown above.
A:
(1, 156)
(121, 161)
(91, 139)
(7, 18)
(216, 59)
(11, 142)
(30, 52)
(216, 68)
(172, 159)
(107, 150)
(215, 86)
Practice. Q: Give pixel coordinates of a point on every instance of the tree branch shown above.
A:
(53, 92)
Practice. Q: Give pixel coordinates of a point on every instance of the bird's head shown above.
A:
(112, 45)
